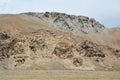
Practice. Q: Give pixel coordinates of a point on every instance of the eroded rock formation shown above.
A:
(70, 23)
(50, 41)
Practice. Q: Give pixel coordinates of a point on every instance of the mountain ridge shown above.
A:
(70, 23)
(29, 42)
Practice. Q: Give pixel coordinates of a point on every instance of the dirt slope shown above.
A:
(29, 42)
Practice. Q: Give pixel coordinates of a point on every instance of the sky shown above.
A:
(106, 12)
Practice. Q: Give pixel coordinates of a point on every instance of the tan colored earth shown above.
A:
(55, 42)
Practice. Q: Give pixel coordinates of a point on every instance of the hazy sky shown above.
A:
(105, 11)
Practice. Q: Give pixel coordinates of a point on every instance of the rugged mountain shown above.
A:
(45, 41)
(70, 23)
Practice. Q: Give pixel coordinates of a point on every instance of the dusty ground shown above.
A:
(59, 75)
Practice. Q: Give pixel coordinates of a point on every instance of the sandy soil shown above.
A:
(59, 75)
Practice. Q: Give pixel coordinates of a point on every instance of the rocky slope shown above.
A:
(70, 23)
(43, 41)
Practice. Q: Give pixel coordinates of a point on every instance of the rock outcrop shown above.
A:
(90, 49)
(22, 52)
(63, 50)
(55, 41)
(70, 23)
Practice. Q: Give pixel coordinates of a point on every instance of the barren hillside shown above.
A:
(57, 41)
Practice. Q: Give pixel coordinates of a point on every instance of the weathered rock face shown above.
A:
(30, 42)
(4, 35)
(63, 50)
(90, 49)
(27, 51)
(70, 23)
